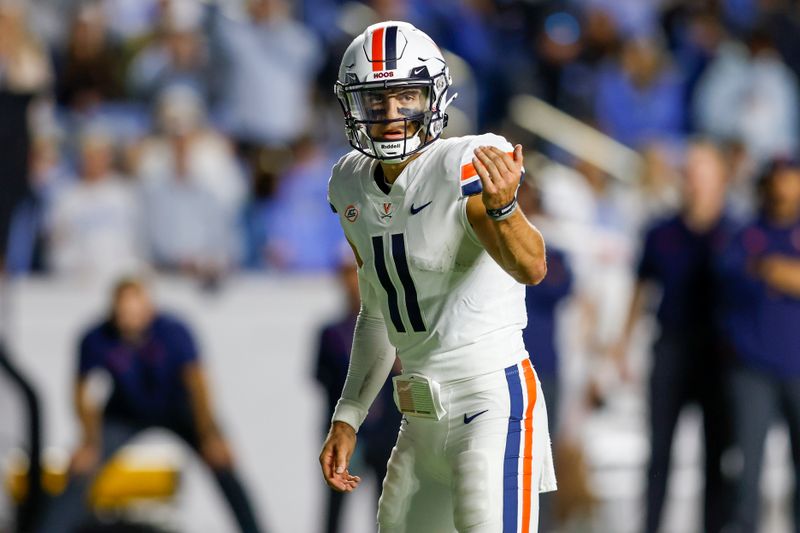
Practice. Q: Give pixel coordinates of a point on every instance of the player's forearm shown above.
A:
(521, 249)
(371, 360)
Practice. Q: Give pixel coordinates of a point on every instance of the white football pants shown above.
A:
(479, 469)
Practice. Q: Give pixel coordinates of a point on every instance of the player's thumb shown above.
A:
(518, 153)
(340, 460)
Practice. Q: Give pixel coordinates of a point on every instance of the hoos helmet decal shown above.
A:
(392, 86)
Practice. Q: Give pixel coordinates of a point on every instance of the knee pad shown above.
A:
(399, 485)
(476, 491)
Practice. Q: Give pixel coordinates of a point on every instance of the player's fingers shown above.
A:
(341, 460)
(505, 164)
(484, 176)
(518, 157)
(326, 462)
(485, 156)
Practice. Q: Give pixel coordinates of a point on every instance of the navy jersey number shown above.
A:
(398, 253)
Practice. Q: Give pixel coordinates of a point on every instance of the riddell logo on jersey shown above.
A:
(351, 213)
(387, 74)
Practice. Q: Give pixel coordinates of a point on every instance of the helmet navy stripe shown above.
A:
(391, 48)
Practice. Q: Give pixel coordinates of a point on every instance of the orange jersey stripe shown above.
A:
(377, 50)
(468, 170)
(527, 460)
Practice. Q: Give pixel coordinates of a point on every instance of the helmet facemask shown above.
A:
(392, 120)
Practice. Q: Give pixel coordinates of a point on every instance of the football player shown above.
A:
(443, 255)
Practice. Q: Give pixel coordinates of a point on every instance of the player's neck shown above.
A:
(391, 171)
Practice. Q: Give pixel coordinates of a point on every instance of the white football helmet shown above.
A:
(393, 85)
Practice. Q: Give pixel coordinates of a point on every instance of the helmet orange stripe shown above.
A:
(377, 50)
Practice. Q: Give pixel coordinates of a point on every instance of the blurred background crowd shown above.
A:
(195, 139)
(142, 114)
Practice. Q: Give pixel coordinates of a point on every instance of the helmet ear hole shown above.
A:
(444, 120)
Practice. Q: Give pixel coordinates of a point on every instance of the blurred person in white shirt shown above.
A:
(193, 189)
(763, 91)
(94, 225)
(209, 157)
(177, 54)
(186, 227)
(271, 61)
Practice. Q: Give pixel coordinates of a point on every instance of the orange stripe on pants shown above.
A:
(527, 459)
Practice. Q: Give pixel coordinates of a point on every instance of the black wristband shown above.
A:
(504, 212)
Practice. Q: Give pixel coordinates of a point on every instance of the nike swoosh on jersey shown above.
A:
(468, 419)
(415, 210)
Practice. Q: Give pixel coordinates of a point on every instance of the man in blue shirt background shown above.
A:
(688, 363)
(761, 319)
(158, 381)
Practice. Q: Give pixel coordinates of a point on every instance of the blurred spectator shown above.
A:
(781, 19)
(48, 176)
(761, 272)
(634, 18)
(158, 381)
(90, 71)
(211, 164)
(658, 185)
(687, 366)
(194, 188)
(542, 303)
(186, 225)
(24, 67)
(695, 33)
(639, 96)
(571, 82)
(178, 56)
(24, 73)
(379, 432)
(270, 62)
(753, 81)
(94, 226)
(293, 229)
(131, 19)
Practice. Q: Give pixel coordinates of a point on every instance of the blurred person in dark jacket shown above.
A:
(379, 431)
(542, 302)
(540, 335)
(688, 365)
(90, 68)
(158, 381)
(24, 73)
(761, 319)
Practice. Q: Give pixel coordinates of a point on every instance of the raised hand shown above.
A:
(499, 173)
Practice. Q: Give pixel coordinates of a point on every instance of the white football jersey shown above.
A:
(450, 310)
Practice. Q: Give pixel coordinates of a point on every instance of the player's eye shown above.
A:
(375, 99)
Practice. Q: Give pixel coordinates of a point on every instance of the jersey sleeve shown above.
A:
(332, 188)
(469, 180)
